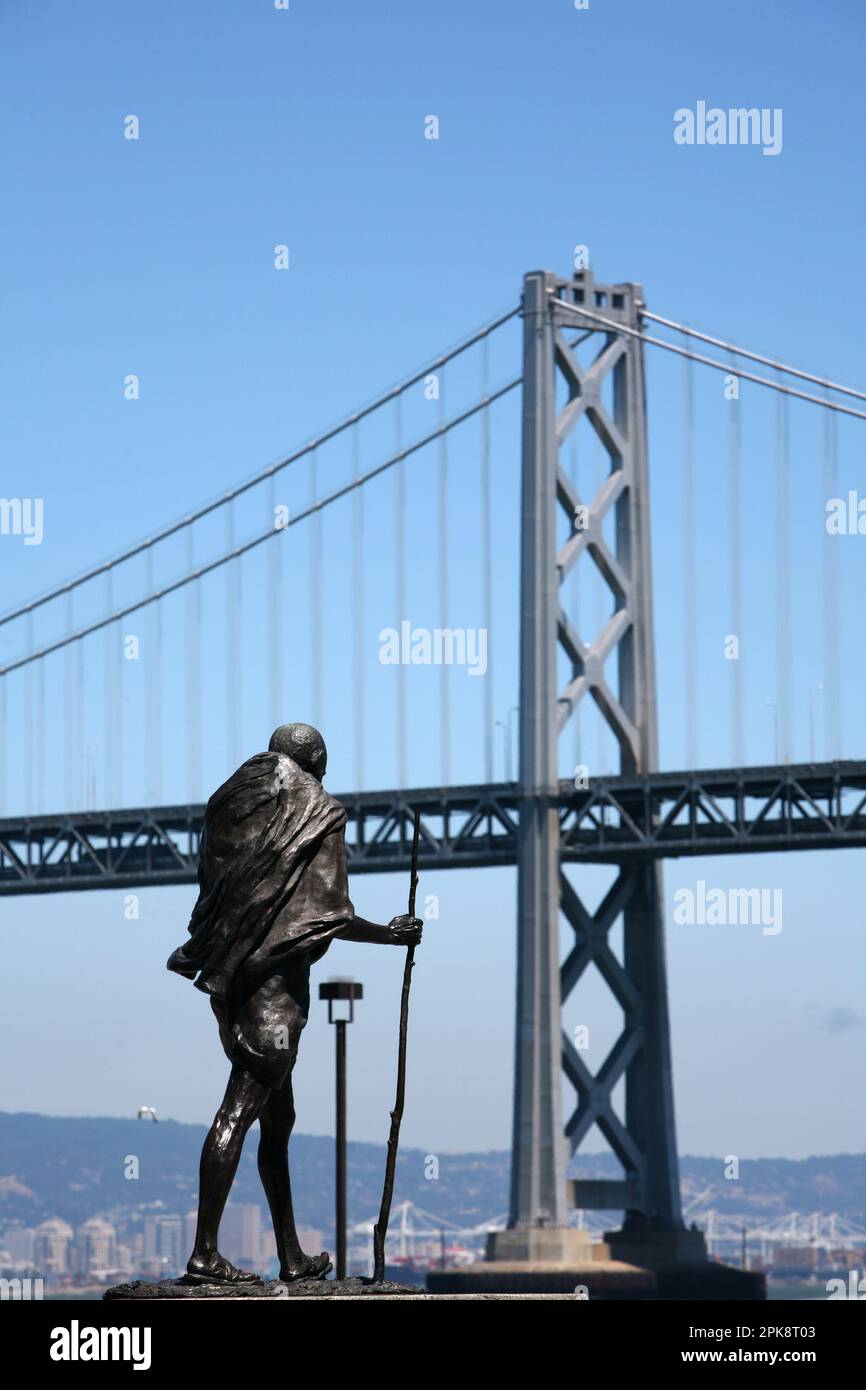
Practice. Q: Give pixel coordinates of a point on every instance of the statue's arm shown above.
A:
(400, 931)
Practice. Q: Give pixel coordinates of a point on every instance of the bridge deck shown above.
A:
(616, 820)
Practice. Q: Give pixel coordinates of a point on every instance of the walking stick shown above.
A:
(381, 1228)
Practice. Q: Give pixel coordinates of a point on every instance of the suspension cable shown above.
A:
(615, 327)
(755, 356)
(266, 473)
(313, 509)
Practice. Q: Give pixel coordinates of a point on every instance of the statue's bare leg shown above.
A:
(242, 1104)
(276, 1121)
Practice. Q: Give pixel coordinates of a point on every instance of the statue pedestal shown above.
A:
(141, 1289)
(319, 1290)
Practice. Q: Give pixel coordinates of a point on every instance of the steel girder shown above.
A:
(723, 811)
(619, 820)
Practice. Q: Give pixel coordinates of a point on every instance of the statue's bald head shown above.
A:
(304, 745)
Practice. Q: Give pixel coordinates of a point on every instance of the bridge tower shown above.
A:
(557, 391)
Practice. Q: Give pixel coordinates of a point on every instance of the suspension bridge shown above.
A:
(415, 1233)
(489, 517)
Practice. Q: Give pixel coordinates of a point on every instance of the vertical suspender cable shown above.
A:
(318, 712)
(4, 745)
(149, 701)
(690, 628)
(275, 612)
(147, 650)
(444, 710)
(41, 736)
(358, 704)
(400, 539)
(68, 712)
(486, 558)
(80, 765)
(233, 654)
(108, 696)
(120, 667)
(577, 717)
(736, 562)
(783, 578)
(29, 748)
(832, 684)
(194, 710)
(153, 692)
(602, 599)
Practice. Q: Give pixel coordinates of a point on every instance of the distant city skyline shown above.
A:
(137, 1243)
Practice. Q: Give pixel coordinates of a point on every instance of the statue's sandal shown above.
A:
(232, 1276)
(315, 1267)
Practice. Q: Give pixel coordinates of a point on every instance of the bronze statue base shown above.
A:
(260, 1288)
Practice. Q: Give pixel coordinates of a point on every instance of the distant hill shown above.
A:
(74, 1168)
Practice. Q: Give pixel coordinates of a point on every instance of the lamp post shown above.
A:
(332, 991)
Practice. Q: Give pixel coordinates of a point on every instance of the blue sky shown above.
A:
(155, 257)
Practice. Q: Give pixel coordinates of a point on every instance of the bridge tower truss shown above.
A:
(643, 1140)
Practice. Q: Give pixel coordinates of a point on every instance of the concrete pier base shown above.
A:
(607, 1281)
(627, 1265)
(540, 1244)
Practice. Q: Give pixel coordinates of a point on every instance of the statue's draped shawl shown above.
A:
(262, 829)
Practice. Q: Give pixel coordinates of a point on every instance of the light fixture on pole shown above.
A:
(342, 992)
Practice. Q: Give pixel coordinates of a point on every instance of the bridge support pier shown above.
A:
(643, 1139)
(538, 1162)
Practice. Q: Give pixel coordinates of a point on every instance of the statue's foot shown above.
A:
(307, 1267)
(213, 1269)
